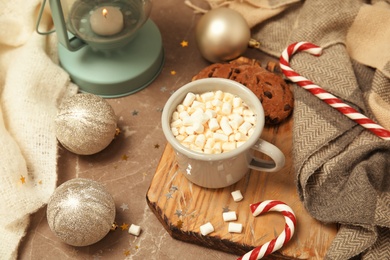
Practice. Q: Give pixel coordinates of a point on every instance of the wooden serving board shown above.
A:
(182, 207)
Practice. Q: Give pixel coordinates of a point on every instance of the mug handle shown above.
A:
(277, 156)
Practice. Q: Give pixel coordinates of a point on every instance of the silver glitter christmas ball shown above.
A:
(222, 34)
(85, 124)
(81, 212)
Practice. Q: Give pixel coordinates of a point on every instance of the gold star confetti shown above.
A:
(22, 179)
(126, 252)
(125, 226)
(136, 247)
(125, 157)
(179, 224)
(173, 72)
(184, 44)
(40, 182)
(156, 146)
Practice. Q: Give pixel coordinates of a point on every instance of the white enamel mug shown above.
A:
(224, 169)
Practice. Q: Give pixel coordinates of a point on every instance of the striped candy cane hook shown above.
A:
(277, 243)
(323, 94)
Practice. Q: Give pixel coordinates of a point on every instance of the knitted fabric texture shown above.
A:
(31, 87)
(254, 11)
(342, 170)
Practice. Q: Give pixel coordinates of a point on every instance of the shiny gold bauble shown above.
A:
(222, 34)
(81, 212)
(85, 124)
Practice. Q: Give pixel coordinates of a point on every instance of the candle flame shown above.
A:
(104, 12)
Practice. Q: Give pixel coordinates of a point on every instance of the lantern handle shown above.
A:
(40, 18)
(72, 44)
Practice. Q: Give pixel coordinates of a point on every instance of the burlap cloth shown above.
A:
(31, 87)
(342, 170)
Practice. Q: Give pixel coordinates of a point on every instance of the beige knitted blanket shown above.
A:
(31, 87)
(342, 170)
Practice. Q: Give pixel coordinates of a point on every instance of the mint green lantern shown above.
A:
(110, 48)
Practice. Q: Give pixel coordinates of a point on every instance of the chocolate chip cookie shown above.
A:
(271, 89)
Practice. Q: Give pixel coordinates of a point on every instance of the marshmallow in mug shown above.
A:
(212, 122)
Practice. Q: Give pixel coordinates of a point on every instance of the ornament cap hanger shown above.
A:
(253, 43)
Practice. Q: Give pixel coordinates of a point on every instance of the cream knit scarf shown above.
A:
(31, 87)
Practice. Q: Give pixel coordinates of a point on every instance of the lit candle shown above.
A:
(106, 21)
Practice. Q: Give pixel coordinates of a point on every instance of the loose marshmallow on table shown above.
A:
(135, 230)
(206, 229)
(237, 196)
(235, 227)
(229, 216)
(217, 115)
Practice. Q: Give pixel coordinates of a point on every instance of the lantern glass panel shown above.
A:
(105, 32)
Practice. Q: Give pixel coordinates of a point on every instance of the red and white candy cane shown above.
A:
(323, 94)
(276, 243)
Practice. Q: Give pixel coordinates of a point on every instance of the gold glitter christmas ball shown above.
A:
(222, 34)
(85, 124)
(81, 212)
